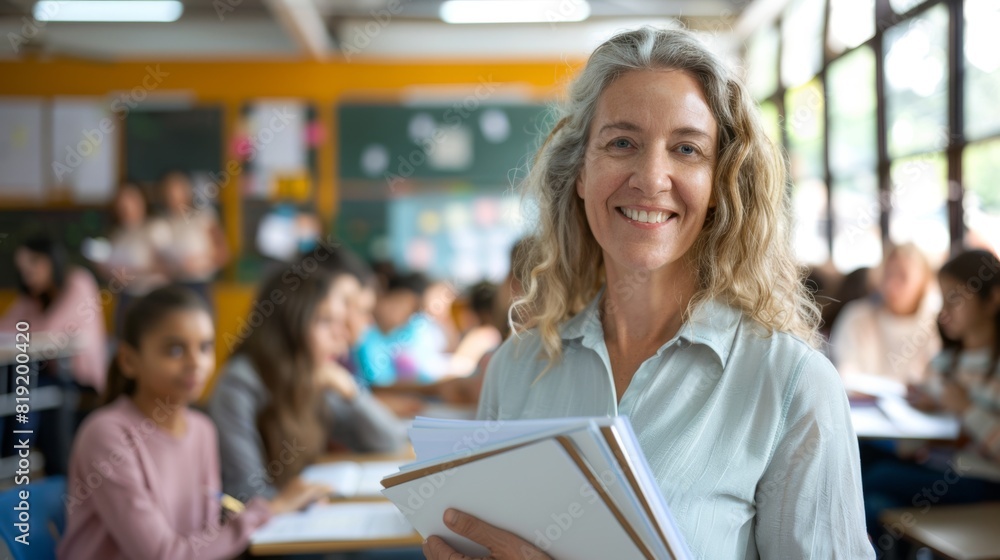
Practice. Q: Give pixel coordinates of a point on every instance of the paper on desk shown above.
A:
(914, 423)
(335, 522)
(873, 385)
(350, 479)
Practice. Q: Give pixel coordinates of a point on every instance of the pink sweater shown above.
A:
(76, 314)
(135, 491)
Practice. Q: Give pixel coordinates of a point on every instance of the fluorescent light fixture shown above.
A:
(514, 11)
(108, 10)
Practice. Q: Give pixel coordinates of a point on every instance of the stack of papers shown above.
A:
(574, 487)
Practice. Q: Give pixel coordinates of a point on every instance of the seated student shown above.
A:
(482, 336)
(891, 335)
(283, 398)
(62, 301)
(405, 345)
(144, 475)
(965, 381)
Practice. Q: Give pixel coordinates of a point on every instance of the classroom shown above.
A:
(506, 279)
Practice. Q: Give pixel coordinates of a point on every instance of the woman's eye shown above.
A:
(175, 351)
(621, 143)
(687, 150)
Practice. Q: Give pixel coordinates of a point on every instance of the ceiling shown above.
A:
(352, 29)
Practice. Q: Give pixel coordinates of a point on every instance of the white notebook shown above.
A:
(335, 522)
(543, 491)
(350, 479)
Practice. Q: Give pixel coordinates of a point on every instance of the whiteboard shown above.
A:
(21, 128)
(85, 148)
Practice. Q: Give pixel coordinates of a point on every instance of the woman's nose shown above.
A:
(654, 172)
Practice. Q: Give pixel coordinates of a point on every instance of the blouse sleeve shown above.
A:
(809, 501)
(128, 510)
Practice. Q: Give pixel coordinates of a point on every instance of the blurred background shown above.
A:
(242, 133)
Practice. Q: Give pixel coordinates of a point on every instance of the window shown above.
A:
(919, 204)
(801, 33)
(916, 78)
(857, 236)
(804, 126)
(852, 22)
(982, 68)
(853, 128)
(981, 167)
(762, 54)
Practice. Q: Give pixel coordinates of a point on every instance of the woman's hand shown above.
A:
(955, 398)
(296, 495)
(501, 544)
(333, 377)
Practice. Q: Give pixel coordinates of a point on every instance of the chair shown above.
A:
(46, 512)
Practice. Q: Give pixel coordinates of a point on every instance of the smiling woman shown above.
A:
(661, 285)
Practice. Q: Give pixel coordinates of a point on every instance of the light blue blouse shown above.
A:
(749, 435)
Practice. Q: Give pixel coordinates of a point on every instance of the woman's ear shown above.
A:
(128, 360)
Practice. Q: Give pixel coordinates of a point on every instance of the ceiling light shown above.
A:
(108, 10)
(514, 11)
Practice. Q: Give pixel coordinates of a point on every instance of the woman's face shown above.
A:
(647, 175)
(177, 193)
(328, 334)
(35, 269)
(361, 313)
(130, 207)
(962, 311)
(903, 284)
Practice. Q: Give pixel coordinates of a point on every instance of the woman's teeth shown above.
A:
(645, 217)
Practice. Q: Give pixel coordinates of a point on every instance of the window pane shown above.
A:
(802, 46)
(853, 127)
(919, 204)
(903, 6)
(982, 67)
(981, 171)
(762, 63)
(916, 72)
(804, 125)
(852, 22)
(772, 122)
(857, 236)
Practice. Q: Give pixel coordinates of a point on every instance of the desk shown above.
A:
(956, 532)
(343, 545)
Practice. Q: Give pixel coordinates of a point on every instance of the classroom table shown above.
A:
(956, 532)
(329, 546)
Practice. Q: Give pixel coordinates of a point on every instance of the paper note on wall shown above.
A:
(21, 168)
(85, 148)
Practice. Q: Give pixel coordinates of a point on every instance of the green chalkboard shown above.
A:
(502, 137)
(163, 140)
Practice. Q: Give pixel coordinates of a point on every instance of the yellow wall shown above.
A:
(234, 83)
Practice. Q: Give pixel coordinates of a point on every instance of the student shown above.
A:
(137, 247)
(197, 248)
(964, 380)
(63, 302)
(406, 344)
(144, 475)
(891, 335)
(283, 398)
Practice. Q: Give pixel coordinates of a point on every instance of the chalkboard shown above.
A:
(160, 141)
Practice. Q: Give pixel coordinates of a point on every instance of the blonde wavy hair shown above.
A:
(743, 255)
